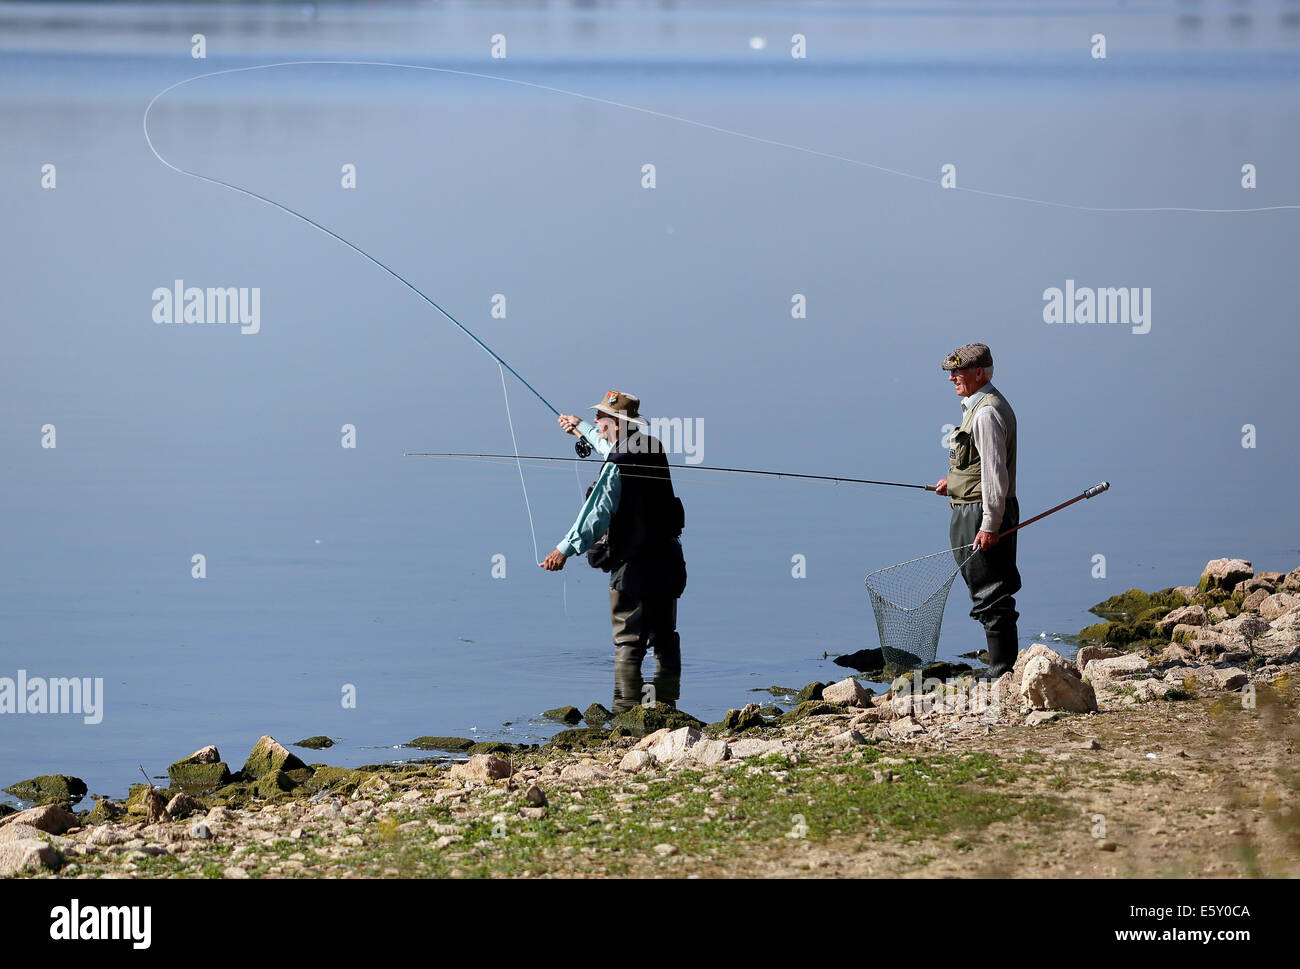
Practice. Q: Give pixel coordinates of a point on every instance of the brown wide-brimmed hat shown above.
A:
(971, 355)
(623, 406)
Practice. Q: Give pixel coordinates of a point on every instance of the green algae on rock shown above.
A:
(639, 721)
(315, 743)
(569, 715)
(268, 755)
(274, 783)
(738, 720)
(455, 745)
(194, 778)
(499, 747)
(578, 738)
(809, 708)
(813, 691)
(103, 812)
(340, 780)
(49, 789)
(597, 715)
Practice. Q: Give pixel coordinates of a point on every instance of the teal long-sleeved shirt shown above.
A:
(593, 520)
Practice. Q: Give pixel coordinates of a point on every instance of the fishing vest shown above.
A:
(649, 514)
(964, 458)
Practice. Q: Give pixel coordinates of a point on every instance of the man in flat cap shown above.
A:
(632, 505)
(981, 487)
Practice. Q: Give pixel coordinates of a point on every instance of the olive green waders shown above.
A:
(992, 577)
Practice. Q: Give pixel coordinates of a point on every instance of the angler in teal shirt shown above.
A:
(597, 511)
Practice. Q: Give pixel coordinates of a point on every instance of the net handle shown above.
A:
(1090, 493)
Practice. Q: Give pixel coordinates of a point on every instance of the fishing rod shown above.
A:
(1092, 492)
(696, 467)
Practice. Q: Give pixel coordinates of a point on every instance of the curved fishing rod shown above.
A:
(696, 467)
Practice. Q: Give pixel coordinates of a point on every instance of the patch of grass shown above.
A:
(771, 802)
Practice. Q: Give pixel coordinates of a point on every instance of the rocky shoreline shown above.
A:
(943, 774)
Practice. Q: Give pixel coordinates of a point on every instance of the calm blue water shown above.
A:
(329, 566)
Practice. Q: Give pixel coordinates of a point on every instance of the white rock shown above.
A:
(26, 854)
(847, 692)
(480, 767)
(1105, 672)
(753, 747)
(1225, 573)
(905, 727)
(1187, 615)
(635, 760)
(674, 745)
(1230, 678)
(200, 830)
(708, 752)
(1278, 605)
(1087, 654)
(582, 774)
(50, 818)
(205, 755)
(650, 739)
(1046, 685)
(1151, 689)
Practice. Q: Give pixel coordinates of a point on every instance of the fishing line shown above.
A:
(316, 225)
(925, 179)
(536, 556)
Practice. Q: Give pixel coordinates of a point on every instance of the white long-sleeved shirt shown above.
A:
(989, 432)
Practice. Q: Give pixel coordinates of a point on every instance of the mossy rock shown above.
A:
(945, 670)
(1098, 632)
(569, 715)
(269, 755)
(578, 739)
(777, 690)
(134, 802)
(233, 795)
(1123, 634)
(737, 720)
(341, 780)
(456, 745)
(813, 691)
(640, 721)
(315, 743)
(274, 784)
(809, 708)
(597, 715)
(6, 809)
(496, 747)
(771, 710)
(195, 778)
(103, 812)
(49, 789)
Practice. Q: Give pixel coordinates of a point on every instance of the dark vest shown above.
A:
(649, 514)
